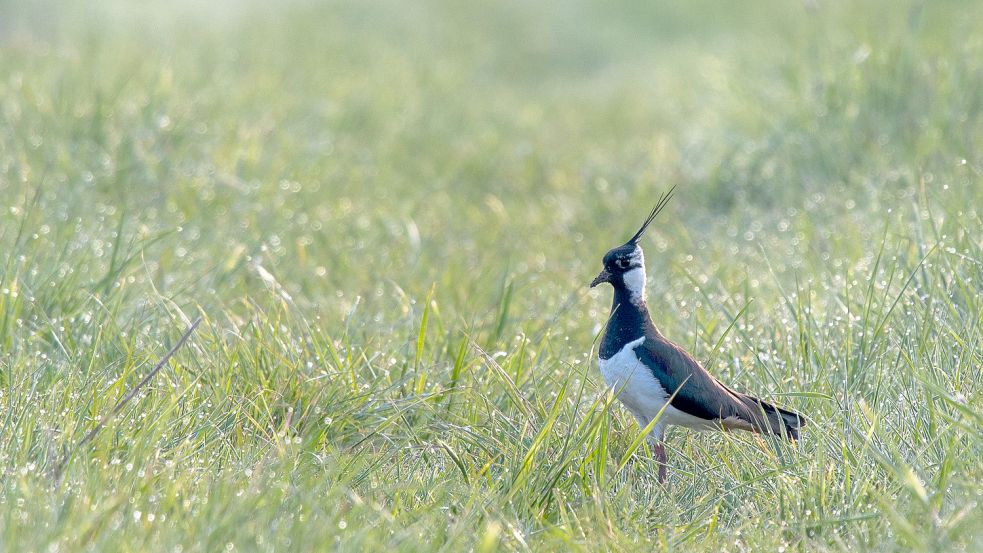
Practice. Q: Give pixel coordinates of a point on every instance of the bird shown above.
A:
(654, 378)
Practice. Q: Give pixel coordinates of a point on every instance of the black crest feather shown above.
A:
(663, 201)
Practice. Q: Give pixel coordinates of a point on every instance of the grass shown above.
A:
(386, 216)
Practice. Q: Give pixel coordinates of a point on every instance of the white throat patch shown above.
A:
(635, 283)
(635, 278)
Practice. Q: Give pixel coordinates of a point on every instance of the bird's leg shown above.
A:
(660, 456)
(655, 441)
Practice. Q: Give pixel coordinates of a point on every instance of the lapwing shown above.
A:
(646, 370)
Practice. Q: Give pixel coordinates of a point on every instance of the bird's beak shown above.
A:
(605, 276)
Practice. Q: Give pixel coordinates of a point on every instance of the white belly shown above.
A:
(638, 389)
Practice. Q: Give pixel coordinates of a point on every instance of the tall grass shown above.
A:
(386, 216)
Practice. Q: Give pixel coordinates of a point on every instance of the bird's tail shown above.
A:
(767, 418)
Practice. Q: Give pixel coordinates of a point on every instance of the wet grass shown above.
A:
(386, 217)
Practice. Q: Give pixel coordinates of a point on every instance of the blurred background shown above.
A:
(351, 144)
(347, 143)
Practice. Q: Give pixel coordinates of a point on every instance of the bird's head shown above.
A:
(624, 266)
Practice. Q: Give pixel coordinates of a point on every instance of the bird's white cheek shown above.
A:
(635, 283)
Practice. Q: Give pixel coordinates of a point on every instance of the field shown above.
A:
(386, 215)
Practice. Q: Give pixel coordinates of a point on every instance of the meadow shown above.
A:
(386, 214)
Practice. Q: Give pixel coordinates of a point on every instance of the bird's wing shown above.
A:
(699, 393)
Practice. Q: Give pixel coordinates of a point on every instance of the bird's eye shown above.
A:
(621, 263)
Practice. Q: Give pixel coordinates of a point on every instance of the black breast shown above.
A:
(628, 322)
